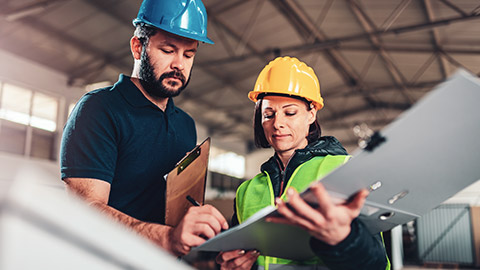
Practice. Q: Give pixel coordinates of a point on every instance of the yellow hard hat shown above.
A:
(289, 76)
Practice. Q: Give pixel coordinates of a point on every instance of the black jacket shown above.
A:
(360, 250)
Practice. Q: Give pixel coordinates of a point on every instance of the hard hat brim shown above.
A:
(174, 31)
(253, 96)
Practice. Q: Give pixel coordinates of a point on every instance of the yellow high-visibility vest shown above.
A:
(257, 193)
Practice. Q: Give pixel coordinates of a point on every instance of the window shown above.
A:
(26, 107)
(97, 85)
(15, 105)
(44, 112)
(70, 108)
(28, 122)
(226, 162)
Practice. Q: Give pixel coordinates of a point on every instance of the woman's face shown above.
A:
(285, 122)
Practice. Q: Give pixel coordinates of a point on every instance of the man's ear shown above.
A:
(136, 47)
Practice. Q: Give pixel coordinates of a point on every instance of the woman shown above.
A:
(287, 96)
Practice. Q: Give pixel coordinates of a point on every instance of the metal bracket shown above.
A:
(368, 139)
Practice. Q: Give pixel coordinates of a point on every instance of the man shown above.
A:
(120, 141)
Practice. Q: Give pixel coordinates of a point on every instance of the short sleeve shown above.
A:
(89, 140)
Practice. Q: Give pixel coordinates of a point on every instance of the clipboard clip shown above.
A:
(367, 138)
(183, 164)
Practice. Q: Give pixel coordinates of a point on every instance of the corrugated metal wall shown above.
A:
(445, 235)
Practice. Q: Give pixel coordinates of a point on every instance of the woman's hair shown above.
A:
(314, 132)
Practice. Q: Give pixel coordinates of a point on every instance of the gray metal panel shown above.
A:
(445, 235)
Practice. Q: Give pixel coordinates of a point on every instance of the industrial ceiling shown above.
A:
(374, 58)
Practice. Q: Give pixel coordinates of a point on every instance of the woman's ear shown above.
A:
(312, 115)
(136, 47)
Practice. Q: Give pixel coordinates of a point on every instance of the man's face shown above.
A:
(166, 64)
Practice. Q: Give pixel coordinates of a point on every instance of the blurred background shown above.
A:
(374, 60)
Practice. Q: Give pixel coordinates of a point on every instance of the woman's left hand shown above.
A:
(329, 222)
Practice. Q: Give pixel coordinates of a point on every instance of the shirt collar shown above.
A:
(135, 97)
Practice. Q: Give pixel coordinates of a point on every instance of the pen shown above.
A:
(192, 200)
(195, 203)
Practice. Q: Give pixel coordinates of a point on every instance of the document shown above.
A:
(186, 179)
(427, 155)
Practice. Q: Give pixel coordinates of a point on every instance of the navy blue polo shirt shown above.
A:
(117, 135)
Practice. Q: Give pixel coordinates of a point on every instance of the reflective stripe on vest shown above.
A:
(253, 195)
(292, 267)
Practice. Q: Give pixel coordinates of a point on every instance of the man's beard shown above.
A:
(154, 87)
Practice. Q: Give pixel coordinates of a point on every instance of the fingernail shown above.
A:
(290, 191)
(255, 252)
(241, 252)
(225, 225)
(278, 201)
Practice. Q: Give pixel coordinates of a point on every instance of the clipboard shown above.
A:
(188, 178)
(424, 157)
(428, 154)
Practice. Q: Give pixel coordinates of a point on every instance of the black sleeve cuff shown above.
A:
(322, 248)
(360, 250)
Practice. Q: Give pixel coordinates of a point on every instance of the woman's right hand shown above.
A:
(237, 259)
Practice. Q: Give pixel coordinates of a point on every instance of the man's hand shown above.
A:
(237, 259)
(328, 222)
(199, 224)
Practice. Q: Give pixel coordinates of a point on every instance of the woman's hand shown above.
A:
(328, 222)
(237, 259)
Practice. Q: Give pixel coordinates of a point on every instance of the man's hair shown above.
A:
(143, 32)
(314, 131)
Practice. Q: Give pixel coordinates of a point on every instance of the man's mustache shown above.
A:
(174, 74)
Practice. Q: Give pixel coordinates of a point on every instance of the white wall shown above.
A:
(470, 195)
(254, 160)
(30, 75)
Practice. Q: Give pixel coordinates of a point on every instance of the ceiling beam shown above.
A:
(340, 92)
(224, 6)
(224, 28)
(64, 38)
(395, 14)
(361, 109)
(103, 59)
(300, 20)
(255, 52)
(87, 71)
(453, 7)
(249, 28)
(346, 125)
(427, 6)
(27, 10)
(339, 43)
(106, 8)
(410, 49)
(454, 62)
(368, 26)
(307, 30)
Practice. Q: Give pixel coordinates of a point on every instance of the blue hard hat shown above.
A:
(186, 18)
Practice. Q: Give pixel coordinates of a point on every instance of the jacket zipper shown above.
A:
(282, 174)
